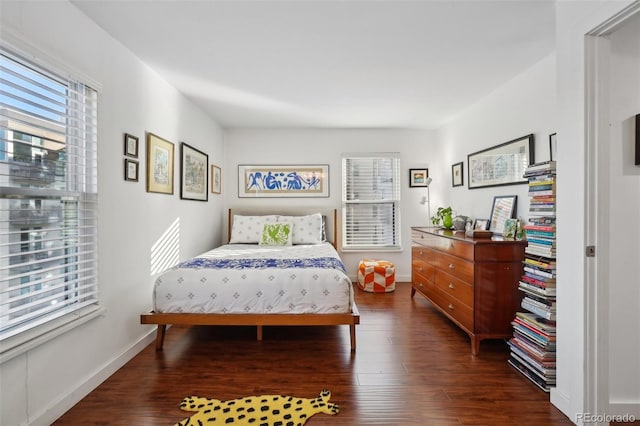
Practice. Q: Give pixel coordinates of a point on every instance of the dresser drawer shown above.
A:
(455, 266)
(422, 238)
(455, 287)
(424, 254)
(453, 247)
(422, 284)
(454, 308)
(426, 270)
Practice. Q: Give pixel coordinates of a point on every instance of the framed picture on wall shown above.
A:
(130, 145)
(553, 147)
(130, 170)
(418, 178)
(457, 178)
(638, 140)
(194, 173)
(310, 180)
(502, 164)
(159, 165)
(216, 179)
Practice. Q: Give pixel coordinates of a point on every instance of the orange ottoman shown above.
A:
(376, 276)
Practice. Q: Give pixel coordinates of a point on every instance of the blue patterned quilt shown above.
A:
(319, 262)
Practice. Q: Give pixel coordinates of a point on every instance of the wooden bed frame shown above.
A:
(259, 320)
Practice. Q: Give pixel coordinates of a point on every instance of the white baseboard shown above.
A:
(50, 414)
(563, 404)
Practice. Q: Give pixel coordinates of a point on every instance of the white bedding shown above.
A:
(288, 279)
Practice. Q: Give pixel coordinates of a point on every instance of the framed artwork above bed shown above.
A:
(309, 180)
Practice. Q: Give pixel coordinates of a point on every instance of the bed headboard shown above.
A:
(329, 213)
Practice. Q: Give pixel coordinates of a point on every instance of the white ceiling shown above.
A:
(322, 63)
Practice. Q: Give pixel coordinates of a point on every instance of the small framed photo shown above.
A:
(418, 178)
(457, 178)
(216, 179)
(553, 147)
(130, 145)
(510, 228)
(130, 170)
(481, 224)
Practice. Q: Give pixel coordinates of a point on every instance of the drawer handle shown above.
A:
(420, 285)
(420, 252)
(451, 266)
(420, 269)
(451, 285)
(450, 306)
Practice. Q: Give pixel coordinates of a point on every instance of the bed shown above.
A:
(279, 268)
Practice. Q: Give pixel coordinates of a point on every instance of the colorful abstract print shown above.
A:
(280, 180)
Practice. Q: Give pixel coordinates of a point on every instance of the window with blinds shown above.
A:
(48, 197)
(371, 201)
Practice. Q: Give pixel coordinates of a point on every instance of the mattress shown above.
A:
(249, 278)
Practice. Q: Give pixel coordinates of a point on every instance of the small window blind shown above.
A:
(371, 201)
(48, 196)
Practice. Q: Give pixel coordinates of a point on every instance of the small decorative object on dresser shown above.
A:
(472, 281)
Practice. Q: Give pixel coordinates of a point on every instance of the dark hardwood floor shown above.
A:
(412, 367)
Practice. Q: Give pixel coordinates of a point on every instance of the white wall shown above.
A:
(624, 228)
(40, 385)
(318, 146)
(575, 390)
(523, 105)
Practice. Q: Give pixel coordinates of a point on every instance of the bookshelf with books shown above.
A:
(533, 345)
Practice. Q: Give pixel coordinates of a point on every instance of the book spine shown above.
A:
(537, 310)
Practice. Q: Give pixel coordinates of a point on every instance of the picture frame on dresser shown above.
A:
(504, 207)
(481, 224)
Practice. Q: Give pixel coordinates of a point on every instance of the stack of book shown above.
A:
(533, 346)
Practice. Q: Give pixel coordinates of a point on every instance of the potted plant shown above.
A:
(443, 217)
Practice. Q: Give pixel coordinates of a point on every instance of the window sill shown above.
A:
(24, 342)
(371, 249)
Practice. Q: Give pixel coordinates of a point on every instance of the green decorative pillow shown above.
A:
(276, 234)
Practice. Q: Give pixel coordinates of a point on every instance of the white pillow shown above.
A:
(248, 229)
(306, 229)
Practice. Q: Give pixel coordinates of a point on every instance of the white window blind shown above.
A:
(371, 201)
(48, 196)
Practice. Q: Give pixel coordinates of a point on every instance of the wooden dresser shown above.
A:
(473, 281)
